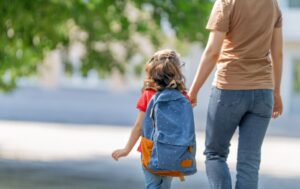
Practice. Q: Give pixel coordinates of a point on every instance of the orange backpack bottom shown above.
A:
(147, 146)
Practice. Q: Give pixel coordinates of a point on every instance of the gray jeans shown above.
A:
(248, 110)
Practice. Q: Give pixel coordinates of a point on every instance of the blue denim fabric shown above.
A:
(248, 110)
(155, 181)
(169, 123)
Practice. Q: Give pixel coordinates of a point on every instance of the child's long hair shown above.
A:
(163, 71)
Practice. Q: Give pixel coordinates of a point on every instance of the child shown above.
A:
(162, 71)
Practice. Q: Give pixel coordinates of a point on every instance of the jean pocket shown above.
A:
(226, 98)
(265, 104)
(268, 98)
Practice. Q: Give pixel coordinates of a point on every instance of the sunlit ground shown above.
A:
(39, 155)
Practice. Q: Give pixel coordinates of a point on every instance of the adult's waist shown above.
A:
(244, 64)
(244, 73)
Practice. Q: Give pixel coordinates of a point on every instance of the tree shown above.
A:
(30, 29)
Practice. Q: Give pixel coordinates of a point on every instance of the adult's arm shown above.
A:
(207, 63)
(277, 57)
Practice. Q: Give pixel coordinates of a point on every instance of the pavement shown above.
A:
(61, 156)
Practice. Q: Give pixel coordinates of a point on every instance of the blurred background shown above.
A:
(70, 76)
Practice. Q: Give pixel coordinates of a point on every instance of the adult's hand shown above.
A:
(278, 107)
(193, 99)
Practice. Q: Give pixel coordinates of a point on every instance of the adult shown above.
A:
(245, 42)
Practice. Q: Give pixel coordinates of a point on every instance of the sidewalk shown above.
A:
(39, 155)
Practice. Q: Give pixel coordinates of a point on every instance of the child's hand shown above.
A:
(119, 153)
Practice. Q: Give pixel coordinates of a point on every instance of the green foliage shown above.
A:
(296, 82)
(30, 29)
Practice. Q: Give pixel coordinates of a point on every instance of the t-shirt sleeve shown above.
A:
(219, 19)
(278, 23)
(144, 100)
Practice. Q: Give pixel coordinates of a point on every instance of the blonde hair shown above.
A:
(163, 70)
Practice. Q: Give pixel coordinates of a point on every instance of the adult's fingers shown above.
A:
(276, 113)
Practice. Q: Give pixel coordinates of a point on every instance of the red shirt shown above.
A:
(144, 100)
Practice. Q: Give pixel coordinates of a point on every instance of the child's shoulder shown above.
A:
(145, 98)
(148, 92)
(151, 92)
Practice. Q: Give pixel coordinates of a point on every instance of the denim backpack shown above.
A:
(168, 135)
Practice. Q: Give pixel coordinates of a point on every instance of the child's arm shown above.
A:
(134, 136)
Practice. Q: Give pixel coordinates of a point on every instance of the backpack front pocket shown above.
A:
(173, 158)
